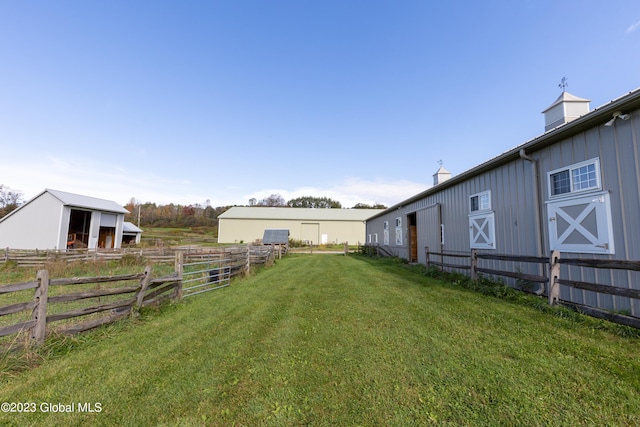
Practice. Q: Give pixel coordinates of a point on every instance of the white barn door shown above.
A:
(482, 234)
(581, 224)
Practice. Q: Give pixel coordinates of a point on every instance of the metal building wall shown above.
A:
(616, 147)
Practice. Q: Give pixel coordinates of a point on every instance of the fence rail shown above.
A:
(81, 303)
(551, 277)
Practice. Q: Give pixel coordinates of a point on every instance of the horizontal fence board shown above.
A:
(602, 263)
(161, 290)
(521, 276)
(18, 327)
(603, 289)
(603, 314)
(16, 287)
(454, 255)
(92, 294)
(90, 310)
(100, 279)
(534, 259)
(18, 307)
(85, 326)
(443, 264)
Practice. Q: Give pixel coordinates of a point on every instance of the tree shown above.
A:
(314, 202)
(272, 200)
(10, 200)
(366, 206)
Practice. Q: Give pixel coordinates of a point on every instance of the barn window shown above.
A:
(576, 178)
(481, 221)
(480, 202)
(398, 231)
(385, 226)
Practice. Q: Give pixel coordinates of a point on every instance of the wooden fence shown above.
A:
(552, 278)
(78, 304)
(60, 300)
(37, 258)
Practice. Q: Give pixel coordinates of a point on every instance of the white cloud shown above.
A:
(351, 191)
(633, 28)
(83, 176)
(120, 183)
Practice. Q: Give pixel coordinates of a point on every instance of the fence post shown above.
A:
(40, 310)
(426, 256)
(346, 248)
(554, 275)
(179, 261)
(248, 266)
(474, 264)
(144, 284)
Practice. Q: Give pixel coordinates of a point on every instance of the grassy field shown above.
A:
(332, 340)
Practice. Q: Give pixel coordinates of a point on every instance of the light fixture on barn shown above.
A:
(617, 115)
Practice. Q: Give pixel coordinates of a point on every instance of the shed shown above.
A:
(573, 188)
(275, 236)
(131, 234)
(59, 220)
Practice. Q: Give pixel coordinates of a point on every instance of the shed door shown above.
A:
(310, 232)
(581, 224)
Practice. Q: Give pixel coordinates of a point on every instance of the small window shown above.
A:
(386, 225)
(375, 237)
(480, 202)
(577, 178)
(398, 231)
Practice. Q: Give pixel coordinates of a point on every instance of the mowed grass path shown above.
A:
(329, 340)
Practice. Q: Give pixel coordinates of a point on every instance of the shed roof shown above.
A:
(129, 227)
(275, 236)
(305, 214)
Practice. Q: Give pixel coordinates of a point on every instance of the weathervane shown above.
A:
(563, 84)
(440, 162)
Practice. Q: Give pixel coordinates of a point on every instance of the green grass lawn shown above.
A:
(338, 341)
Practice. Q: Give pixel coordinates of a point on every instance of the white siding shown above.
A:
(35, 226)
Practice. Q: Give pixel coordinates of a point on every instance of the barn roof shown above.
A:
(305, 214)
(79, 201)
(76, 201)
(592, 119)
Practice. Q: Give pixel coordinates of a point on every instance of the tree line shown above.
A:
(193, 215)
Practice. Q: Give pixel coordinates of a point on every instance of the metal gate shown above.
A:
(203, 276)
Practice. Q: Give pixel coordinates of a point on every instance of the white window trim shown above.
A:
(479, 195)
(570, 168)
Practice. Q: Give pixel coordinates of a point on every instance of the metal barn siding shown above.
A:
(616, 147)
(521, 222)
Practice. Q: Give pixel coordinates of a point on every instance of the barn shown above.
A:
(575, 189)
(313, 226)
(59, 220)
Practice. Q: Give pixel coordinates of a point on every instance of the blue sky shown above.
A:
(167, 101)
